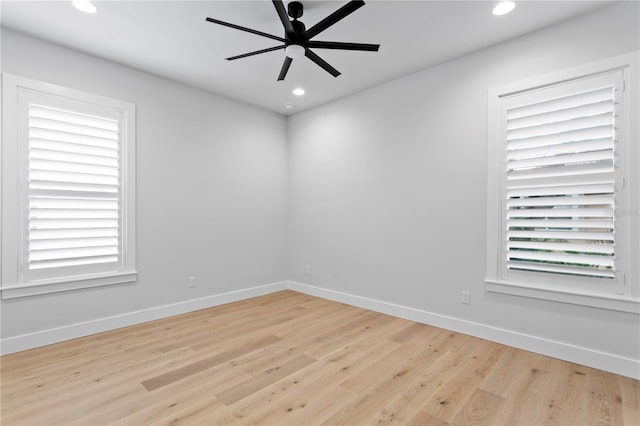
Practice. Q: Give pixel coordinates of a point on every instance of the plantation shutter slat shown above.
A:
(37, 111)
(542, 140)
(560, 127)
(73, 158)
(38, 224)
(590, 97)
(53, 165)
(71, 186)
(561, 160)
(73, 148)
(72, 128)
(51, 213)
(77, 261)
(589, 189)
(577, 112)
(564, 269)
(560, 258)
(72, 177)
(561, 235)
(519, 213)
(565, 148)
(74, 194)
(580, 200)
(65, 243)
(560, 187)
(548, 183)
(541, 224)
(88, 140)
(572, 170)
(53, 234)
(584, 247)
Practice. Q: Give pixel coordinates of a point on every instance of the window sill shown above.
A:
(48, 286)
(610, 302)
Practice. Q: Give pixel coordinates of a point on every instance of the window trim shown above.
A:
(13, 207)
(629, 301)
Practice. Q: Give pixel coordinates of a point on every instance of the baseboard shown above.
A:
(601, 360)
(73, 331)
(580, 355)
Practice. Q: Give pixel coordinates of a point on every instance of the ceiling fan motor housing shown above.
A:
(295, 9)
(297, 36)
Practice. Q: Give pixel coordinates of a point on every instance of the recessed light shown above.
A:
(298, 91)
(288, 105)
(503, 8)
(85, 5)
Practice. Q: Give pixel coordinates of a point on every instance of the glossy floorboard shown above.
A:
(292, 359)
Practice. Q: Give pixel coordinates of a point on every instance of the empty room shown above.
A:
(320, 212)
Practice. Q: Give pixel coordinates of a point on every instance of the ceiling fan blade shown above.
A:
(339, 14)
(321, 62)
(284, 17)
(249, 30)
(257, 52)
(285, 68)
(343, 46)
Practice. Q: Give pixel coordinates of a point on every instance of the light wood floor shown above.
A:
(292, 359)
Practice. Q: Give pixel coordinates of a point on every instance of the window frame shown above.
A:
(15, 283)
(624, 294)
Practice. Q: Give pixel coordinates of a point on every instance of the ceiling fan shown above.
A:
(297, 39)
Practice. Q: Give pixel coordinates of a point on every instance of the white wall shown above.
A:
(388, 195)
(210, 196)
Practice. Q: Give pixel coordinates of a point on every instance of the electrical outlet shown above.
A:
(307, 270)
(465, 297)
(193, 281)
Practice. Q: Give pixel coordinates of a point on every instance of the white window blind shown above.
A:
(73, 188)
(68, 189)
(562, 186)
(560, 193)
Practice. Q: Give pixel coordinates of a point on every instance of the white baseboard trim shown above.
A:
(601, 360)
(580, 355)
(73, 331)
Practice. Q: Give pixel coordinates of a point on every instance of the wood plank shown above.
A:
(399, 374)
(173, 404)
(480, 409)
(533, 388)
(46, 396)
(241, 390)
(604, 403)
(307, 393)
(568, 396)
(403, 406)
(413, 331)
(478, 358)
(387, 367)
(444, 387)
(203, 364)
(630, 393)
(423, 418)
(510, 369)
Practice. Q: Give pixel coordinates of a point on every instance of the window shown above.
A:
(68, 189)
(559, 222)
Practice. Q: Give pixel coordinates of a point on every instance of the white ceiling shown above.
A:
(172, 39)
